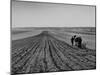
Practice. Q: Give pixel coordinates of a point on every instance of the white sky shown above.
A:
(35, 14)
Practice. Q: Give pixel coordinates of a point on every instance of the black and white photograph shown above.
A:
(52, 37)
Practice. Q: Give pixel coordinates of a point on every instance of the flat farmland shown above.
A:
(36, 50)
(88, 34)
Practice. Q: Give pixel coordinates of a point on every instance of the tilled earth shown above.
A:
(46, 53)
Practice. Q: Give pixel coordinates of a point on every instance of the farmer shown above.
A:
(78, 42)
(72, 39)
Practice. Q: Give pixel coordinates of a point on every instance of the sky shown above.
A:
(41, 14)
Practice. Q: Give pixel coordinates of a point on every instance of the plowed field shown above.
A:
(46, 53)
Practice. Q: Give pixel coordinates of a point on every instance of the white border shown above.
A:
(5, 37)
